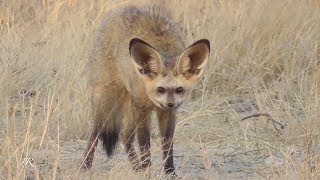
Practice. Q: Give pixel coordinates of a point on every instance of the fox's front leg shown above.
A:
(144, 139)
(128, 133)
(91, 148)
(167, 123)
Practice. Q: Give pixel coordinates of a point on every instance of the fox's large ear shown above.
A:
(193, 59)
(145, 57)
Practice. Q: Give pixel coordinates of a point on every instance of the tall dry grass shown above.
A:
(265, 59)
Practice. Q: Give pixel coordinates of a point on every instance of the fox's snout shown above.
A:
(170, 105)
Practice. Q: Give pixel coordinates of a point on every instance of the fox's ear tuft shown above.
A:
(145, 57)
(193, 59)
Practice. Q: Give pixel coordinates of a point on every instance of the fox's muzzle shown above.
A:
(170, 106)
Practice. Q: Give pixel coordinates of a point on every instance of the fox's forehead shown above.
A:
(169, 64)
(170, 80)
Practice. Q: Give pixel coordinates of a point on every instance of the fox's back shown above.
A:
(110, 59)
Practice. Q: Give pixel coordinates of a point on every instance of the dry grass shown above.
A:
(265, 59)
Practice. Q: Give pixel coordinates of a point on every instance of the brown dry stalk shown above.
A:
(269, 118)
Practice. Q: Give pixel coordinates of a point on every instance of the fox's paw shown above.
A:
(85, 166)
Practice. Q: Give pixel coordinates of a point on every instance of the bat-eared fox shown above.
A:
(139, 63)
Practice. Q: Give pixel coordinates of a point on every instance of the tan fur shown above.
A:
(136, 51)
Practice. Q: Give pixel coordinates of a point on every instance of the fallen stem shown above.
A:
(269, 117)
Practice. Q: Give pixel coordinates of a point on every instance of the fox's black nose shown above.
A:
(170, 104)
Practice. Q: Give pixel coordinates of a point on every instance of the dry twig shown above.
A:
(269, 118)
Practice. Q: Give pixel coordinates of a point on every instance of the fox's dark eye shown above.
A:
(161, 90)
(179, 90)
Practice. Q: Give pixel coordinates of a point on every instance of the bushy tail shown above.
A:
(109, 140)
